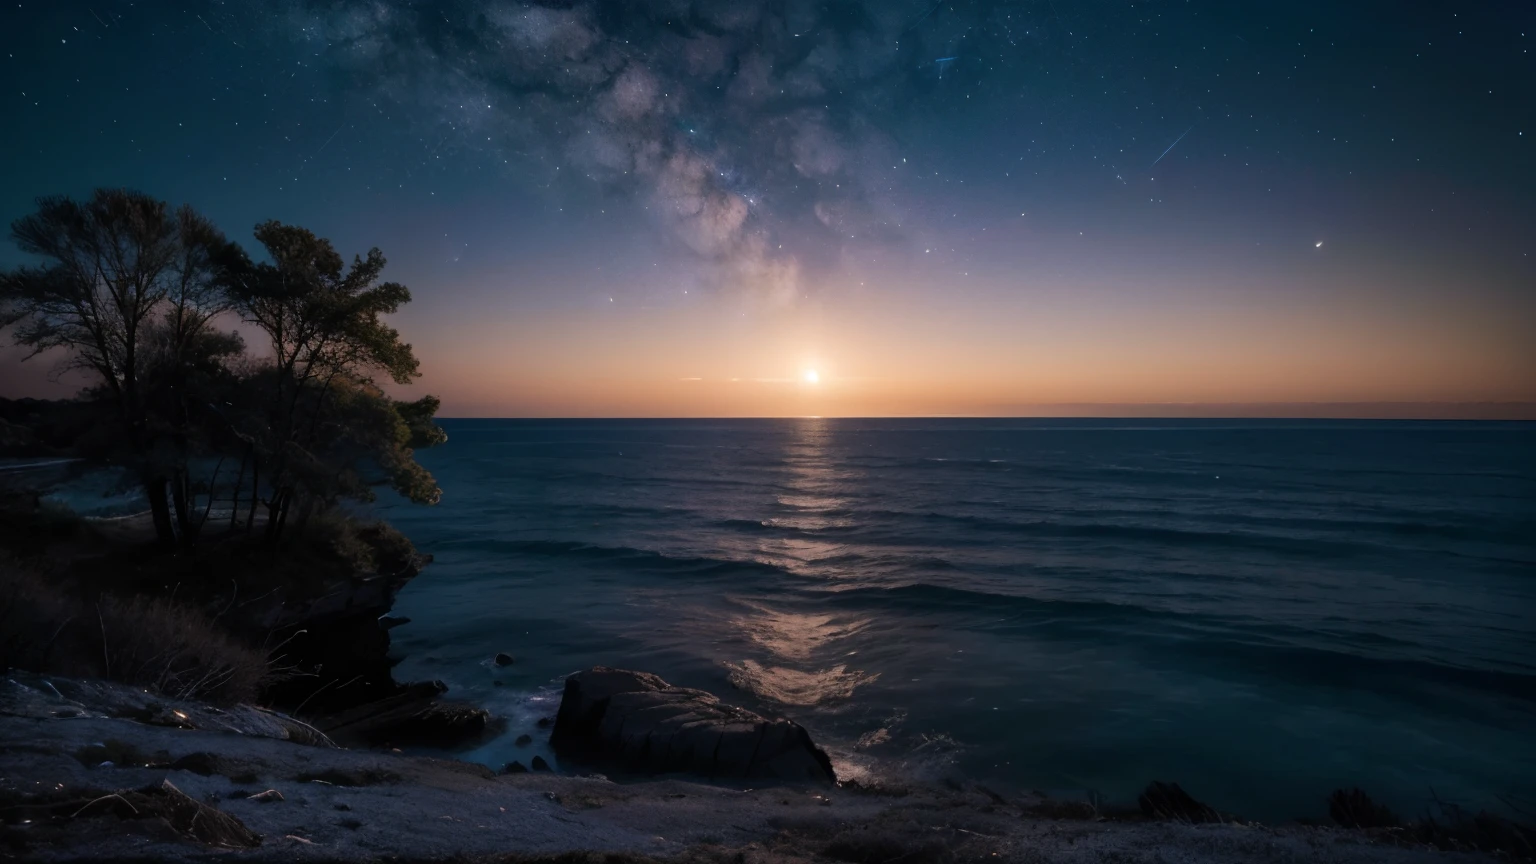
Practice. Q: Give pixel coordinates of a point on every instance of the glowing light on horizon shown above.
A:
(811, 376)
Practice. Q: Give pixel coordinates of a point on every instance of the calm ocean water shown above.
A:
(1260, 611)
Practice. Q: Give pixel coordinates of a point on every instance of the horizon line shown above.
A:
(1488, 411)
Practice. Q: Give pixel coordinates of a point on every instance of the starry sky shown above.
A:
(989, 207)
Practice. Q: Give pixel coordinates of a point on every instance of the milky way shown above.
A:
(759, 134)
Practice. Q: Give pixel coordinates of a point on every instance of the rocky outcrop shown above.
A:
(413, 715)
(27, 694)
(644, 724)
(335, 644)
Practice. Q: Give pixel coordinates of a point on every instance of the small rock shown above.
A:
(350, 824)
(523, 740)
(504, 659)
(187, 816)
(345, 808)
(267, 797)
(514, 768)
(539, 764)
(546, 722)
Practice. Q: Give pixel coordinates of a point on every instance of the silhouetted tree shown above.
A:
(323, 420)
(129, 289)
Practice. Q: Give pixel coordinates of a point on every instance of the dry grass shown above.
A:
(176, 650)
(146, 641)
(1454, 829)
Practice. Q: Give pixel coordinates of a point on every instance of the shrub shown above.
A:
(176, 650)
(364, 547)
(149, 642)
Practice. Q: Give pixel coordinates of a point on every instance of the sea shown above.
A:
(1260, 611)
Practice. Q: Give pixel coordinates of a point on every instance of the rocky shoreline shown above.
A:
(338, 670)
(99, 771)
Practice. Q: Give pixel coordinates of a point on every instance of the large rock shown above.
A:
(647, 725)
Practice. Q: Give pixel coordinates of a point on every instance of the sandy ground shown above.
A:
(416, 808)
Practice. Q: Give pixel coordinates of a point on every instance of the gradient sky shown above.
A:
(678, 207)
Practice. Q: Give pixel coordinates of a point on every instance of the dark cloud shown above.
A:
(757, 133)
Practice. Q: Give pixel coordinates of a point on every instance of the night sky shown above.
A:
(682, 207)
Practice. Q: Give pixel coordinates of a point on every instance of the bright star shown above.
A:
(1319, 244)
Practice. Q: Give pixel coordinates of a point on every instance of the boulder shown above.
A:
(646, 725)
(504, 659)
(445, 725)
(538, 764)
(192, 818)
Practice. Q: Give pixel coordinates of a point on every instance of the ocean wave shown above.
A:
(876, 520)
(1306, 536)
(632, 559)
(1257, 645)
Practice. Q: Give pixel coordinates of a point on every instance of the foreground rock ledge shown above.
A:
(62, 799)
(644, 724)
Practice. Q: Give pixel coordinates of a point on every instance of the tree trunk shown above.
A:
(160, 511)
(250, 517)
(183, 506)
(275, 510)
(282, 516)
(234, 496)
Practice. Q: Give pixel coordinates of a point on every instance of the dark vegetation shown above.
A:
(1445, 826)
(245, 458)
(134, 294)
(145, 640)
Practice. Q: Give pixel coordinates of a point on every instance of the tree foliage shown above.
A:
(128, 289)
(327, 416)
(133, 292)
